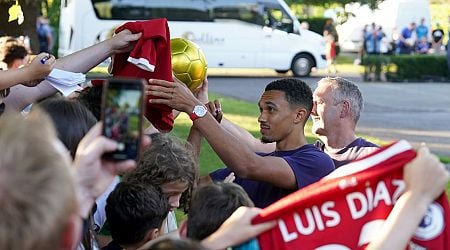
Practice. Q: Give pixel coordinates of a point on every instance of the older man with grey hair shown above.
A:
(337, 108)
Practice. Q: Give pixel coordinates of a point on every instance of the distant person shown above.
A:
(304, 25)
(395, 36)
(373, 41)
(407, 39)
(437, 39)
(330, 28)
(362, 48)
(330, 46)
(422, 30)
(422, 46)
(45, 34)
(384, 43)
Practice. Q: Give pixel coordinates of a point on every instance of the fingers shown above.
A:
(162, 83)
(423, 149)
(101, 145)
(262, 227)
(124, 166)
(219, 113)
(93, 133)
(45, 59)
(136, 36)
(218, 106)
(250, 213)
(204, 86)
(175, 79)
(210, 107)
(230, 178)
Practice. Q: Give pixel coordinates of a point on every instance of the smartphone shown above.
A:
(122, 114)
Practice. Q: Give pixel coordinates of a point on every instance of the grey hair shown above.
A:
(346, 90)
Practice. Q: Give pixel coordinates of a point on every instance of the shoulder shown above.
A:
(309, 156)
(222, 172)
(364, 143)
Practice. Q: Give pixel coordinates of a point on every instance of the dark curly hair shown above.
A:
(297, 92)
(12, 51)
(166, 160)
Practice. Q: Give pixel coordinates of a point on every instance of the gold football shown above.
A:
(188, 62)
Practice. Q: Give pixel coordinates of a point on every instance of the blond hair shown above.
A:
(36, 189)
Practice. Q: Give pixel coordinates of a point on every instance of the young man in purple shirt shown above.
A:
(307, 163)
(285, 107)
(337, 107)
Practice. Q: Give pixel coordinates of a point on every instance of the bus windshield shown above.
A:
(179, 10)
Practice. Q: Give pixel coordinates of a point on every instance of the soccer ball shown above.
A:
(188, 62)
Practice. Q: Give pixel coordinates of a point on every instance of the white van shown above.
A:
(231, 33)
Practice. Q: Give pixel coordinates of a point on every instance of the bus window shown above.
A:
(248, 13)
(180, 10)
(278, 19)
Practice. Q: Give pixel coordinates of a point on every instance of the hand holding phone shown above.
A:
(122, 114)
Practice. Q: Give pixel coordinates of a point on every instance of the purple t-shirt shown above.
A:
(308, 163)
(355, 150)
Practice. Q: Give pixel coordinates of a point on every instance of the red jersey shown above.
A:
(347, 208)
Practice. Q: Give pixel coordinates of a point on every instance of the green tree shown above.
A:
(30, 9)
(373, 4)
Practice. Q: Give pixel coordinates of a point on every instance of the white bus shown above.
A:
(231, 33)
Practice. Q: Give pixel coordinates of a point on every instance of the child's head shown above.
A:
(169, 165)
(330, 37)
(72, 120)
(135, 212)
(211, 205)
(91, 97)
(175, 244)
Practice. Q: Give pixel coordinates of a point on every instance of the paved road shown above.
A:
(418, 112)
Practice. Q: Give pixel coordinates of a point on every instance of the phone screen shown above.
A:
(122, 116)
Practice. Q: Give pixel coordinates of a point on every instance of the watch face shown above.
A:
(200, 111)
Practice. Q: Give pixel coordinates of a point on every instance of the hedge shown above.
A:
(406, 67)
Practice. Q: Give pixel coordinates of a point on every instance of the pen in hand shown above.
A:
(44, 59)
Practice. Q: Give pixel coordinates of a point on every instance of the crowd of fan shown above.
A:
(59, 193)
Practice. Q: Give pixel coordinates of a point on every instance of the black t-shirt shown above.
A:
(112, 246)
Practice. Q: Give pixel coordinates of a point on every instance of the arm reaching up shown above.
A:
(80, 61)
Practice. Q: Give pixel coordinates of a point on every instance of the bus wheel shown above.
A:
(279, 71)
(301, 65)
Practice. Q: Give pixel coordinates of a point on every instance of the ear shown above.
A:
(300, 115)
(152, 234)
(345, 111)
(71, 234)
(17, 63)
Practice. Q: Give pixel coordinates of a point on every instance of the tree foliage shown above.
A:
(373, 4)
